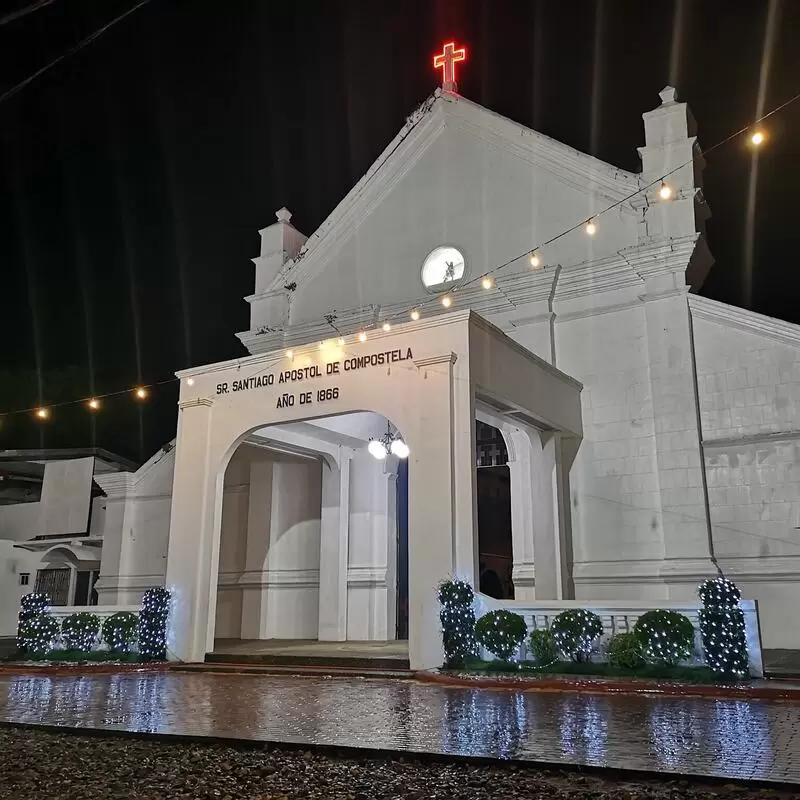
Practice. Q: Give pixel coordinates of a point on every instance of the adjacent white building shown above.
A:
(652, 434)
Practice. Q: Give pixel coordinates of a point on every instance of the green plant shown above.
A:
(625, 651)
(501, 633)
(722, 627)
(31, 605)
(457, 615)
(120, 631)
(79, 631)
(575, 632)
(543, 646)
(153, 624)
(39, 633)
(666, 637)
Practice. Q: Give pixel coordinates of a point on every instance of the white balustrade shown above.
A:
(620, 617)
(103, 612)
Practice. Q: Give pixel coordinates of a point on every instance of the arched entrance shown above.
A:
(309, 536)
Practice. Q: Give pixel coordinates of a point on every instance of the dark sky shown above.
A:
(135, 174)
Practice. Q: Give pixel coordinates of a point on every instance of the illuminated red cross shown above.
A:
(447, 62)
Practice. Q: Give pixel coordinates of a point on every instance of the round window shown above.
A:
(442, 267)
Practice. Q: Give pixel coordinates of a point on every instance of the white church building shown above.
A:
(478, 272)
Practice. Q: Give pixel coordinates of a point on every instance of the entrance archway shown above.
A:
(310, 544)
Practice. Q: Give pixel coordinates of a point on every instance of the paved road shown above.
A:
(730, 738)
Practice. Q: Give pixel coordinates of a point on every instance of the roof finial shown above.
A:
(283, 215)
(446, 61)
(669, 94)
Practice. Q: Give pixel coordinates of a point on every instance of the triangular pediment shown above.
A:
(461, 175)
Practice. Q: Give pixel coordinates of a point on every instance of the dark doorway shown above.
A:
(494, 514)
(402, 550)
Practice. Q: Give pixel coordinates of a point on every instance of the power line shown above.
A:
(83, 43)
(23, 12)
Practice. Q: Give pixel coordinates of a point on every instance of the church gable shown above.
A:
(458, 176)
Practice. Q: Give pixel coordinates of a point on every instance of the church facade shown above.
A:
(479, 271)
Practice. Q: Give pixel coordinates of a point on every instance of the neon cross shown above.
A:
(446, 61)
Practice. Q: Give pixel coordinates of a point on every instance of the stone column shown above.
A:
(192, 557)
(442, 504)
(519, 467)
(334, 540)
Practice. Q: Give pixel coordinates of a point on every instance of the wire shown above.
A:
(23, 12)
(88, 40)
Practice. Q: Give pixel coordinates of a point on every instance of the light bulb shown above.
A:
(43, 413)
(591, 228)
(757, 138)
(377, 449)
(447, 301)
(400, 448)
(290, 354)
(665, 192)
(386, 326)
(141, 393)
(94, 404)
(190, 382)
(362, 337)
(536, 262)
(487, 282)
(340, 341)
(415, 315)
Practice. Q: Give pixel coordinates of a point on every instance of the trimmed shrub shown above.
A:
(31, 605)
(543, 646)
(501, 633)
(153, 624)
(666, 637)
(625, 651)
(457, 615)
(575, 632)
(120, 631)
(79, 631)
(722, 628)
(39, 634)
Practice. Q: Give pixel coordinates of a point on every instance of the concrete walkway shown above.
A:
(691, 736)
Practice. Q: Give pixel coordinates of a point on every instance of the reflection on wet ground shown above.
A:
(730, 738)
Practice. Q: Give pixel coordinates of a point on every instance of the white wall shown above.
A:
(14, 561)
(749, 391)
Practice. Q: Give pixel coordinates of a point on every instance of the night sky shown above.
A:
(135, 174)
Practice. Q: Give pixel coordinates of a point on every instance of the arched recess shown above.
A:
(67, 573)
(309, 538)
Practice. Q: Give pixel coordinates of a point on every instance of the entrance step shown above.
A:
(282, 660)
(329, 670)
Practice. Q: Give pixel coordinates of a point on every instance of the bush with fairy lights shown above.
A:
(153, 624)
(32, 605)
(576, 632)
(79, 631)
(457, 615)
(501, 633)
(625, 651)
(120, 631)
(39, 634)
(666, 637)
(722, 627)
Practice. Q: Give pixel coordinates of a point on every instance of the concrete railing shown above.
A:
(620, 617)
(103, 612)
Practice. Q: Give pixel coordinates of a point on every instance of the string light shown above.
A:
(386, 327)
(94, 404)
(79, 631)
(340, 341)
(722, 627)
(757, 138)
(362, 336)
(501, 633)
(665, 192)
(457, 616)
(666, 637)
(290, 354)
(153, 624)
(591, 227)
(447, 301)
(575, 632)
(190, 382)
(140, 393)
(487, 282)
(120, 631)
(535, 261)
(415, 314)
(42, 413)
(31, 606)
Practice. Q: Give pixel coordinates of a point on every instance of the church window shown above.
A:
(443, 267)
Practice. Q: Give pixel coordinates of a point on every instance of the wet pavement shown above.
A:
(725, 738)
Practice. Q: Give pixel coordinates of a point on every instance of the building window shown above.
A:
(443, 267)
(24, 578)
